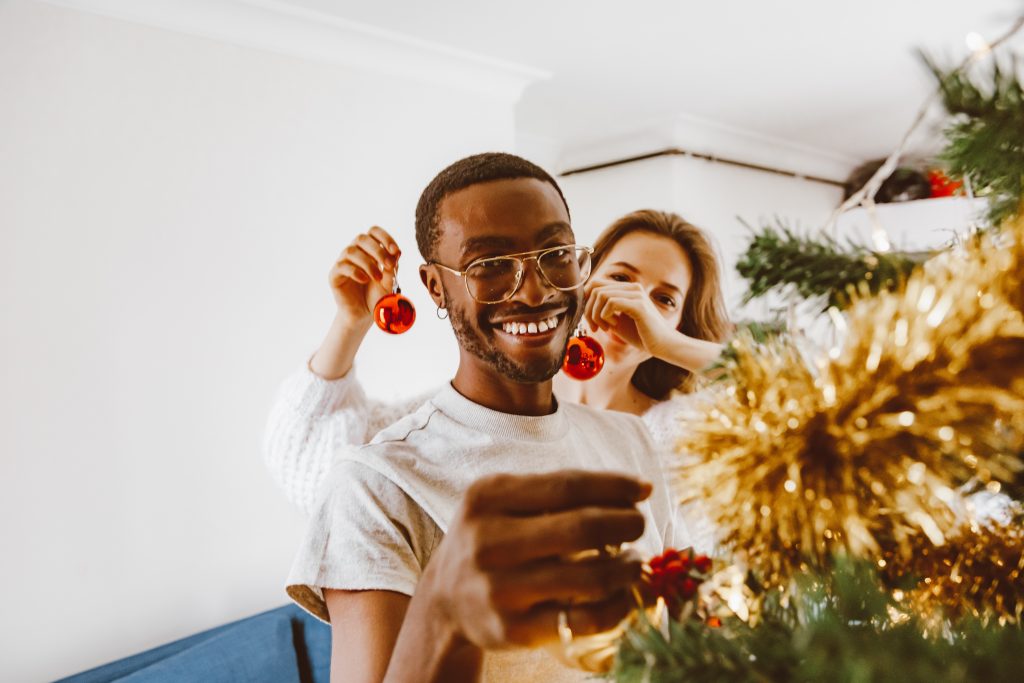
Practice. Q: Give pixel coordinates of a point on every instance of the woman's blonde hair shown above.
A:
(704, 314)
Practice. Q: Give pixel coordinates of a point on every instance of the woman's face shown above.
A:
(660, 266)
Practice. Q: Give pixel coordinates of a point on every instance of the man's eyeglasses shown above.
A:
(496, 279)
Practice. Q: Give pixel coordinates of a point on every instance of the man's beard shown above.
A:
(473, 339)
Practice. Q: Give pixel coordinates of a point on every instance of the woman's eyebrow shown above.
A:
(630, 267)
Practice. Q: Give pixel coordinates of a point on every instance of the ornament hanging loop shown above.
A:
(395, 289)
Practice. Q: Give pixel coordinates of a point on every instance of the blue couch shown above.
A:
(284, 645)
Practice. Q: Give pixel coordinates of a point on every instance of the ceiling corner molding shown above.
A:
(709, 139)
(718, 139)
(279, 27)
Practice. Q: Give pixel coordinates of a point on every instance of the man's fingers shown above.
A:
(381, 235)
(355, 255)
(563, 581)
(528, 494)
(377, 251)
(541, 624)
(505, 542)
(347, 271)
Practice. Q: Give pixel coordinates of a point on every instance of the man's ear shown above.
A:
(431, 279)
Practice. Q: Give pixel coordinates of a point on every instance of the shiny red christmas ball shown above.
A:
(394, 313)
(584, 358)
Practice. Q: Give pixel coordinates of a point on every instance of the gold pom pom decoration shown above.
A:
(865, 450)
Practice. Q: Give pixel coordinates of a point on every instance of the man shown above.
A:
(504, 491)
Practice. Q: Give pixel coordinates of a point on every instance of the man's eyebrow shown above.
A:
(552, 229)
(633, 269)
(486, 242)
(474, 244)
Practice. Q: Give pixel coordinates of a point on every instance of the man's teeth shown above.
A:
(530, 328)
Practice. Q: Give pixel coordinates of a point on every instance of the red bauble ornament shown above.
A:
(394, 313)
(584, 357)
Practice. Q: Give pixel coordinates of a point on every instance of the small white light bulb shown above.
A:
(976, 43)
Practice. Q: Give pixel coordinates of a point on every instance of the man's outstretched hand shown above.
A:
(514, 557)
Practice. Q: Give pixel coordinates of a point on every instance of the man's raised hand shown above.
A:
(363, 273)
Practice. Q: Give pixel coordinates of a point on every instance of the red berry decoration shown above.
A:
(584, 357)
(942, 185)
(675, 575)
(394, 313)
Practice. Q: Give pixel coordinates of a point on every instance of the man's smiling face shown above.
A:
(494, 219)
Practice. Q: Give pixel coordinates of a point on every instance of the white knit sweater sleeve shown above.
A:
(666, 421)
(311, 419)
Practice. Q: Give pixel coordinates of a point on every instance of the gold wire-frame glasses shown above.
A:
(494, 279)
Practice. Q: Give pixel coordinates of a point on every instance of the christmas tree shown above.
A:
(867, 498)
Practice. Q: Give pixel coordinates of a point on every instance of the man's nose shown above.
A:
(533, 289)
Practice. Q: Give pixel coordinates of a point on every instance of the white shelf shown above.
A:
(920, 224)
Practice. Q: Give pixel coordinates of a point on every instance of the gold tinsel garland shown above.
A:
(865, 451)
(979, 572)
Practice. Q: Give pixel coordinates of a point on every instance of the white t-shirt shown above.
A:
(313, 419)
(385, 507)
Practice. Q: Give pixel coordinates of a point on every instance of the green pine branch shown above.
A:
(838, 628)
(779, 259)
(759, 332)
(985, 142)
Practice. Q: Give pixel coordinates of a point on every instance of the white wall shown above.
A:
(720, 198)
(713, 196)
(169, 207)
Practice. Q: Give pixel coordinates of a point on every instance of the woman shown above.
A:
(654, 302)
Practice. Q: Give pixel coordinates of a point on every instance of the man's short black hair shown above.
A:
(479, 168)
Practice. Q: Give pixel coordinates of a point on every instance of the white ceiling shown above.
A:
(840, 77)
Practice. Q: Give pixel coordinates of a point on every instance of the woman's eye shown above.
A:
(619, 277)
(666, 301)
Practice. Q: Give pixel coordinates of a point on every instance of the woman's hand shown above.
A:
(364, 272)
(625, 309)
